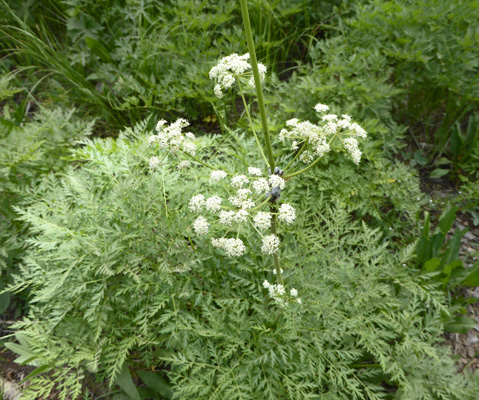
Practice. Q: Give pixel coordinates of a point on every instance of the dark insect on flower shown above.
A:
(275, 194)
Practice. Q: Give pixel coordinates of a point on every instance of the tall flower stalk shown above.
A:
(264, 122)
(242, 199)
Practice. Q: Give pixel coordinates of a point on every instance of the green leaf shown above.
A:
(432, 264)
(456, 141)
(460, 324)
(419, 157)
(35, 372)
(447, 219)
(156, 382)
(125, 381)
(472, 279)
(98, 48)
(438, 173)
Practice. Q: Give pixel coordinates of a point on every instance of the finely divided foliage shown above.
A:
(216, 280)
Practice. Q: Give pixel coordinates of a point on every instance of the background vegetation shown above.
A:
(105, 277)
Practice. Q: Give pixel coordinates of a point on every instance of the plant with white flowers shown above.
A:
(252, 199)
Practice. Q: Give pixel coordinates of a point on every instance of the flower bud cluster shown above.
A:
(242, 206)
(318, 138)
(278, 293)
(231, 67)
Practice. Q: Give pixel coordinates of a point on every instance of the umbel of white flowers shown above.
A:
(171, 138)
(279, 295)
(230, 68)
(315, 139)
(241, 207)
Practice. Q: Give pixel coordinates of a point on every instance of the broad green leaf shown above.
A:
(432, 264)
(460, 324)
(447, 219)
(157, 382)
(438, 173)
(125, 381)
(472, 279)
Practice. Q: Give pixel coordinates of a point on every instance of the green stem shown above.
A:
(201, 162)
(251, 124)
(310, 165)
(257, 82)
(303, 147)
(279, 275)
(303, 170)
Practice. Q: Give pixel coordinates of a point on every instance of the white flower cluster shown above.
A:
(278, 293)
(218, 175)
(241, 207)
(270, 244)
(231, 67)
(287, 213)
(155, 162)
(233, 247)
(172, 138)
(201, 226)
(317, 138)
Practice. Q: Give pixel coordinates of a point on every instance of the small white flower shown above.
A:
(261, 186)
(233, 247)
(298, 300)
(270, 244)
(266, 284)
(287, 213)
(226, 217)
(359, 131)
(218, 91)
(152, 139)
(213, 203)
(247, 204)
(293, 292)
(344, 124)
(351, 145)
(276, 180)
(330, 117)
(201, 226)
(254, 171)
(159, 125)
(189, 148)
(239, 180)
(243, 193)
(274, 271)
(184, 164)
(320, 108)
(190, 135)
(197, 202)
(154, 163)
(241, 216)
(217, 175)
(262, 220)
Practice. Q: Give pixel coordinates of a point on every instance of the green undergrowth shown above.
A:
(117, 278)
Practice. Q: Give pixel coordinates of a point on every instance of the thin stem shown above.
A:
(201, 162)
(310, 165)
(303, 147)
(251, 124)
(303, 170)
(257, 82)
(279, 275)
